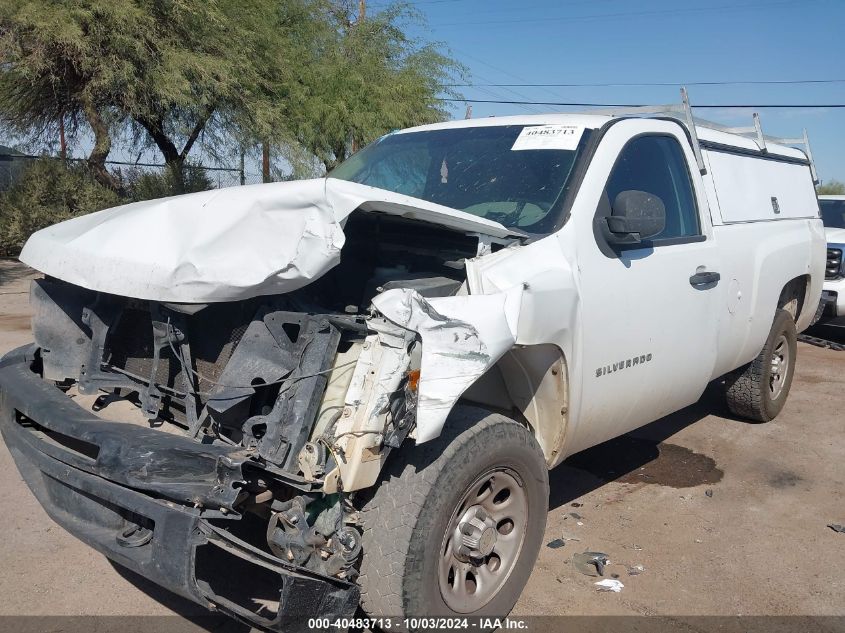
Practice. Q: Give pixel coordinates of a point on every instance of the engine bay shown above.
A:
(267, 380)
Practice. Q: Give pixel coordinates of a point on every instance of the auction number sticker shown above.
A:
(548, 137)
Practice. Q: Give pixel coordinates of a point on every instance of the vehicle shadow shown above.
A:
(190, 611)
(624, 457)
(12, 270)
(830, 331)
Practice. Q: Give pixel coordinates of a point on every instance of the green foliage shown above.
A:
(171, 181)
(171, 67)
(48, 192)
(363, 79)
(217, 72)
(831, 188)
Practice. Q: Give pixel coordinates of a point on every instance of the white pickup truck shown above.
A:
(366, 377)
(833, 294)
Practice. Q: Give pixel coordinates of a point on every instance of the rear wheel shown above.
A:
(758, 390)
(455, 525)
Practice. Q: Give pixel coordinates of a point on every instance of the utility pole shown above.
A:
(265, 162)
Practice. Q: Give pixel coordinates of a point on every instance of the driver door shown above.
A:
(649, 334)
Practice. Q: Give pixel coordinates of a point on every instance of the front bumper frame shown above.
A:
(91, 494)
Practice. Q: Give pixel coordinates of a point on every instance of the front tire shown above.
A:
(455, 525)
(758, 390)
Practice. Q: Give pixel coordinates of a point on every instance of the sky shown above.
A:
(655, 41)
(675, 42)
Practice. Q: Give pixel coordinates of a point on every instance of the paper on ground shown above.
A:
(610, 584)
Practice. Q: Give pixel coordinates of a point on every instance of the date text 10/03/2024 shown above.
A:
(432, 623)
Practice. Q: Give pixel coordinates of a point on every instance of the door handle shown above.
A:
(704, 279)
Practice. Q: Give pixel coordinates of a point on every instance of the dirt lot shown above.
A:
(725, 517)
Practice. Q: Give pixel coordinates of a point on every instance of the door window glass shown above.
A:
(656, 165)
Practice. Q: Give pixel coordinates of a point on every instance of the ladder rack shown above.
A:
(683, 113)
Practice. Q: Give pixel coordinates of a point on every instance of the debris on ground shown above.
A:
(698, 540)
(556, 544)
(708, 492)
(634, 547)
(836, 527)
(591, 563)
(576, 516)
(575, 504)
(635, 570)
(609, 584)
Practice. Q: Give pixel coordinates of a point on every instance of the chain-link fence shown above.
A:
(37, 191)
(11, 164)
(128, 173)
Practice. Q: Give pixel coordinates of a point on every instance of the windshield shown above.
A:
(479, 170)
(833, 213)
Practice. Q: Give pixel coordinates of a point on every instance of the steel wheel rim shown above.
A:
(779, 366)
(480, 549)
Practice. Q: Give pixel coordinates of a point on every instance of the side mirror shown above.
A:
(635, 216)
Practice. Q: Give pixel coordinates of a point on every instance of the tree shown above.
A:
(171, 70)
(223, 73)
(364, 78)
(832, 188)
(49, 75)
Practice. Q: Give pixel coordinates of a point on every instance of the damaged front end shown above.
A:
(257, 419)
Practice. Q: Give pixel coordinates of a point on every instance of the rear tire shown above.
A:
(419, 538)
(758, 390)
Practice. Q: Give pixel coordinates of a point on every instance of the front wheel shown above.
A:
(456, 523)
(758, 390)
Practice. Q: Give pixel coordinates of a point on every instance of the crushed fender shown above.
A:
(462, 337)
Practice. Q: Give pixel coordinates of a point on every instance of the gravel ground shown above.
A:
(725, 517)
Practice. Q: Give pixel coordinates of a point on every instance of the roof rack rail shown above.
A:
(683, 113)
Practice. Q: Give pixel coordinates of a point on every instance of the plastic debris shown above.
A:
(635, 570)
(708, 492)
(609, 584)
(576, 516)
(591, 563)
(575, 504)
(836, 527)
(556, 544)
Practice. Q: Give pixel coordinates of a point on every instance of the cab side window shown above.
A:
(656, 165)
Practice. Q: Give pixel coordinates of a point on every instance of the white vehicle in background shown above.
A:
(370, 374)
(833, 296)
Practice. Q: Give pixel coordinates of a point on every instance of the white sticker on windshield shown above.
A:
(548, 137)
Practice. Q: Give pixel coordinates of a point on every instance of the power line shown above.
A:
(640, 105)
(507, 73)
(655, 84)
(623, 14)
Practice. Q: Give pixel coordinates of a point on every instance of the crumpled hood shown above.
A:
(222, 245)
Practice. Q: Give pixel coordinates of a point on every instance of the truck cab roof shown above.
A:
(707, 131)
